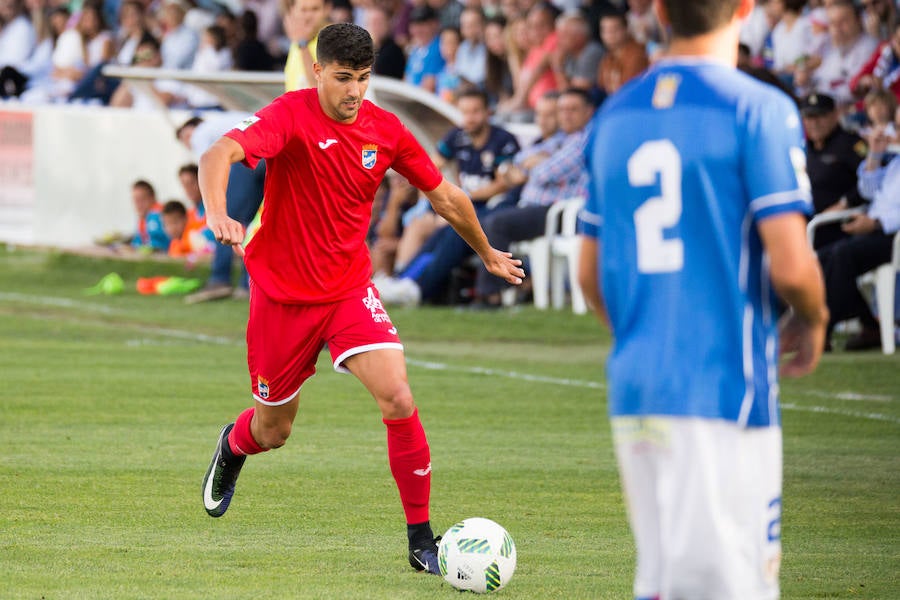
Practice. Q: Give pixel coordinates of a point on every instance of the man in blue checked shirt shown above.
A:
(551, 170)
(870, 243)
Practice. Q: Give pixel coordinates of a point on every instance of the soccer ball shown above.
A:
(477, 555)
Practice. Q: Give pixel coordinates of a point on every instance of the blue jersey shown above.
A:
(684, 162)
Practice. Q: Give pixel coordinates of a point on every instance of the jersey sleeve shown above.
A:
(774, 159)
(413, 162)
(590, 219)
(264, 134)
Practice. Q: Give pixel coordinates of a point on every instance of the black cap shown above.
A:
(422, 13)
(816, 104)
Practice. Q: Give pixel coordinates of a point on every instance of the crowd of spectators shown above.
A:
(840, 60)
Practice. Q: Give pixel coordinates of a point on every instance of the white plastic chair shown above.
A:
(564, 251)
(547, 256)
(883, 277)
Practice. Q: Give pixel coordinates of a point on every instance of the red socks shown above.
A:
(410, 461)
(240, 439)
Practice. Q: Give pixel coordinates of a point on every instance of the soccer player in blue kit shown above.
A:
(694, 227)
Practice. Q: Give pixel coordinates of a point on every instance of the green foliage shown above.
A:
(112, 405)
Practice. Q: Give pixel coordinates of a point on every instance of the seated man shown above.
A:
(477, 150)
(869, 245)
(551, 170)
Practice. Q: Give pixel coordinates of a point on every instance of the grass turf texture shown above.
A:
(112, 405)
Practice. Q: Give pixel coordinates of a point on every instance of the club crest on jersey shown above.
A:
(369, 155)
(665, 90)
(262, 386)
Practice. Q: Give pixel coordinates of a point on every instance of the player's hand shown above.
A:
(802, 343)
(227, 231)
(503, 265)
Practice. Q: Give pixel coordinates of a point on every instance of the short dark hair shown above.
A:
(174, 207)
(145, 185)
(191, 168)
(346, 44)
(581, 93)
(192, 122)
(690, 18)
(474, 92)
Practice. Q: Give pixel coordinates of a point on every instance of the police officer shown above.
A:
(832, 157)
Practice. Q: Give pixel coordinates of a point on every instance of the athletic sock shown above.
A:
(240, 439)
(410, 461)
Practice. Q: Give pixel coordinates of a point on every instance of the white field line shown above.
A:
(439, 366)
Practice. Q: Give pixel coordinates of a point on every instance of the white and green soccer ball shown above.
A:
(477, 555)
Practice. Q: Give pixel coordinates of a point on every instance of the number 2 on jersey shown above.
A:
(655, 253)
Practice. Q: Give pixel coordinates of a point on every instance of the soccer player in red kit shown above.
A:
(326, 151)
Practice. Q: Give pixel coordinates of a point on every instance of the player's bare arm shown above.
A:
(589, 279)
(451, 203)
(215, 165)
(797, 279)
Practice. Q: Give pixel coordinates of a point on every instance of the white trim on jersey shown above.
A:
(360, 349)
(747, 324)
(591, 218)
(775, 199)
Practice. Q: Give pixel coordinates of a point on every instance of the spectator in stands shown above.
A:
(551, 171)
(269, 25)
(165, 92)
(189, 239)
(471, 57)
(303, 19)
(424, 61)
(390, 60)
(448, 81)
(476, 150)
(448, 12)
(577, 58)
(498, 75)
(189, 177)
(243, 197)
(879, 18)
(212, 56)
(179, 42)
(755, 29)
(36, 71)
(536, 77)
(881, 70)
(150, 234)
(132, 30)
(250, 54)
(880, 106)
(624, 57)
(844, 57)
(397, 197)
(17, 36)
(791, 38)
(869, 245)
(341, 12)
(643, 24)
(833, 155)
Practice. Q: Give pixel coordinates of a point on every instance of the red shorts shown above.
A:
(284, 340)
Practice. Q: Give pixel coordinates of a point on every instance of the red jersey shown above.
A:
(321, 179)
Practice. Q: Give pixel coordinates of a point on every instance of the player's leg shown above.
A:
(383, 372)
(638, 444)
(720, 493)
(277, 370)
(363, 341)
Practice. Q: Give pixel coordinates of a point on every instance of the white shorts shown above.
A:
(704, 503)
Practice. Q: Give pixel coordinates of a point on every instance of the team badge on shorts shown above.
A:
(369, 155)
(262, 387)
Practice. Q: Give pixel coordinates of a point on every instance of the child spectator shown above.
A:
(448, 80)
(189, 238)
(880, 107)
(212, 56)
(151, 235)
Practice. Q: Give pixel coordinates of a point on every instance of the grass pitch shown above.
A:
(112, 406)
